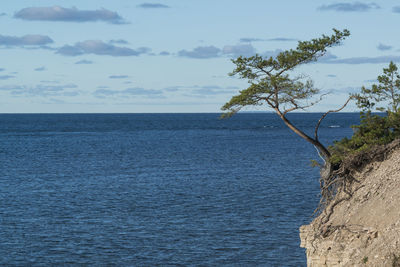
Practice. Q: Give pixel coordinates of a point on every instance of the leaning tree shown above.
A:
(272, 83)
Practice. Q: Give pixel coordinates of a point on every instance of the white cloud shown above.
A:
(58, 13)
(26, 40)
(84, 61)
(40, 68)
(100, 48)
(41, 90)
(118, 76)
(349, 7)
(137, 91)
(239, 50)
(384, 47)
(201, 52)
(152, 5)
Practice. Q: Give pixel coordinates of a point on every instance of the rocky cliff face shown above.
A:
(364, 229)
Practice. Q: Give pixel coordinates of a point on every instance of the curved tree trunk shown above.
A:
(326, 169)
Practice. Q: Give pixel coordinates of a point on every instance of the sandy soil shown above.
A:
(364, 230)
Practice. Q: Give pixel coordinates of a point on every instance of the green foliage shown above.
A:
(365, 260)
(374, 129)
(272, 85)
(269, 79)
(387, 91)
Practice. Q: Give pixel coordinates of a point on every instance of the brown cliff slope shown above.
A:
(364, 229)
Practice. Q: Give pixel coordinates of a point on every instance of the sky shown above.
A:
(103, 56)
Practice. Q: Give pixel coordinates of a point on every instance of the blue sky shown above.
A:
(174, 55)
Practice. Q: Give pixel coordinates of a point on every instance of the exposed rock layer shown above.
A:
(363, 230)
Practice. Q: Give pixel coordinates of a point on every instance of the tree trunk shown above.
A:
(326, 169)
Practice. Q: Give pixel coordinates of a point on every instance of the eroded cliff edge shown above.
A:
(364, 227)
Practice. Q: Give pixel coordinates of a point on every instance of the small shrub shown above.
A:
(374, 130)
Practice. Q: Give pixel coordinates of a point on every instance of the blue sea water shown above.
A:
(157, 189)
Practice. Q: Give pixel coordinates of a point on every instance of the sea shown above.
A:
(158, 189)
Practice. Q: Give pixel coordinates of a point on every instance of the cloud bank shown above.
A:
(6, 77)
(164, 53)
(383, 47)
(42, 90)
(396, 9)
(84, 61)
(239, 50)
(118, 76)
(282, 39)
(249, 40)
(99, 48)
(137, 91)
(349, 7)
(363, 60)
(204, 52)
(201, 52)
(57, 13)
(212, 90)
(152, 5)
(40, 69)
(277, 39)
(27, 40)
(119, 41)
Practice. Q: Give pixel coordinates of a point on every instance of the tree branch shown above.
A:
(326, 113)
(296, 106)
(299, 62)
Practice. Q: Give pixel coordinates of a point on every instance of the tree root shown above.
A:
(340, 181)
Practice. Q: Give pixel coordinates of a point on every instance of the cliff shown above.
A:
(363, 228)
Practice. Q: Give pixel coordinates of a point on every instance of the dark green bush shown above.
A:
(374, 129)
